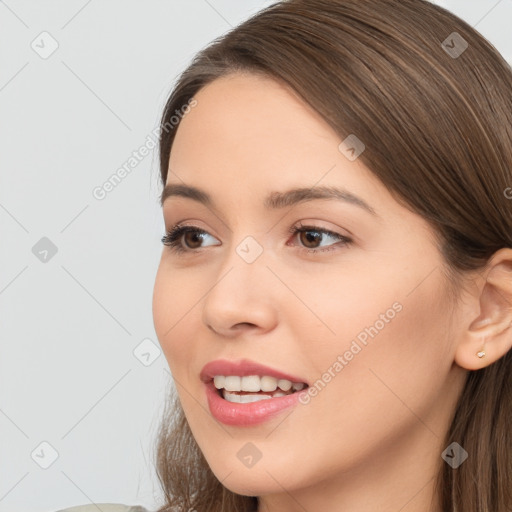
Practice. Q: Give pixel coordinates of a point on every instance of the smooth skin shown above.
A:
(371, 440)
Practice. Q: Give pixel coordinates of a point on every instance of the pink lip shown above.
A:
(253, 413)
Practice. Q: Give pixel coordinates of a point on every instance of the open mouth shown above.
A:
(253, 388)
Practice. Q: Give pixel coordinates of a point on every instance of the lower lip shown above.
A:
(253, 413)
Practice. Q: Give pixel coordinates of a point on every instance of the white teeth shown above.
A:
(268, 383)
(255, 383)
(244, 399)
(231, 397)
(284, 384)
(218, 381)
(232, 383)
(250, 383)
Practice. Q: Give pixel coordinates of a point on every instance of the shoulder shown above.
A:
(104, 507)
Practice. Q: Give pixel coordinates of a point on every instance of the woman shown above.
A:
(334, 297)
(339, 231)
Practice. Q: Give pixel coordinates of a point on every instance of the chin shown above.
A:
(249, 483)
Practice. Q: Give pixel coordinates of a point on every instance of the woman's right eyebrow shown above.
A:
(275, 200)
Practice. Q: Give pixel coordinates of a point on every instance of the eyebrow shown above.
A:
(275, 200)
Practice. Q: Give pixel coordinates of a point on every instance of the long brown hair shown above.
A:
(436, 119)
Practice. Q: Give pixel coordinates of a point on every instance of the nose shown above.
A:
(241, 299)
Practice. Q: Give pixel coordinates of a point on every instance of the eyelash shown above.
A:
(172, 238)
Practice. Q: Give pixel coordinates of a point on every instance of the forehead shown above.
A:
(250, 116)
(249, 136)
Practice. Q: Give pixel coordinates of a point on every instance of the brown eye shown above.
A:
(311, 236)
(309, 240)
(194, 237)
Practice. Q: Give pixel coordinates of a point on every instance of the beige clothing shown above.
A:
(105, 507)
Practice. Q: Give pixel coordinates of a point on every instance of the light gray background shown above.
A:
(69, 326)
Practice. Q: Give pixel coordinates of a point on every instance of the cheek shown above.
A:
(388, 357)
(391, 314)
(343, 307)
(379, 319)
(173, 304)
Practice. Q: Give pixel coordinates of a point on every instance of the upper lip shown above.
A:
(243, 367)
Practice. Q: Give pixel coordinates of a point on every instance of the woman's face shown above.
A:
(366, 322)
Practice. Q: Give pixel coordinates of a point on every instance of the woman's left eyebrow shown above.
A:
(275, 200)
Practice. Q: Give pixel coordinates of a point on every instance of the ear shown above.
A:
(491, 330)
